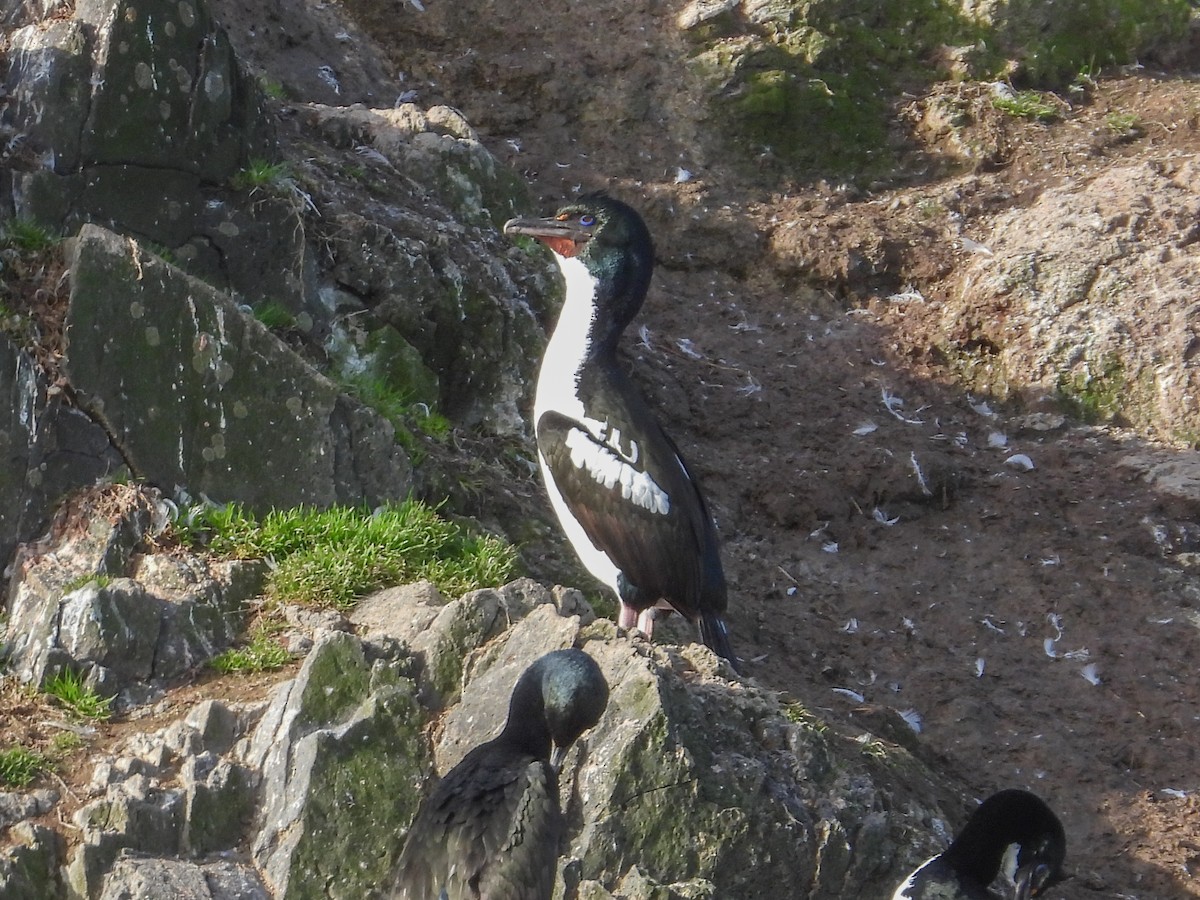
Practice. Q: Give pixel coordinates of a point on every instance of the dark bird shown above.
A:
(493, 827)
(627, 502)
(1011, 830)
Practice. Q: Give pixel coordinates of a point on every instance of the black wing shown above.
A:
(492, 828)
(635, 498)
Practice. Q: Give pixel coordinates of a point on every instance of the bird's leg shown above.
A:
(645, 621)
(627, 617)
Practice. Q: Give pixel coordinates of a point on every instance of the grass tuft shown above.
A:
(274, 315)
(331, 557)
(69, 689)
(19, 766)
(261, 173)
(25, 236)
(1027, 105)
(399, 408)
(260, 653)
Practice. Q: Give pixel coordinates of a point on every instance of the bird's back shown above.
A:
(492, 829)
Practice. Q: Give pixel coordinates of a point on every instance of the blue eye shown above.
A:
(587, 221)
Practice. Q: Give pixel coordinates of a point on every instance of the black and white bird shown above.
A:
(493, 827)
(1013, 833)
(618, 484)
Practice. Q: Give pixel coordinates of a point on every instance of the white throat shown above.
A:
(570, 344)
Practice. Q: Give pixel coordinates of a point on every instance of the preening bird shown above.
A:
(1013, 831)
(493, 828)
(633, 512)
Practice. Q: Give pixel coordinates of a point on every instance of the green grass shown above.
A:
(65, 742)
(1123, 124)
(261, 173)
(1027, 105)
(19, 767)
(260, 653)
(274, 315)
(69, 689)
(398, 407)
(23, 235)
(84, 580)
(332, 557)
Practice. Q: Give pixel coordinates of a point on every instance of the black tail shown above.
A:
(715, 635)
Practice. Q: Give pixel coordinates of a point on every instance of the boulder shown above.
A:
(342, 756)
(49, 449)
(197, 394)
(90, 598)
(691, 785)
(1053, 308)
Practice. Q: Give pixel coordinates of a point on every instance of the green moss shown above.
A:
(365, 791)
(1095, 33)
(813, 87)
(1095, 396)
(338, 678)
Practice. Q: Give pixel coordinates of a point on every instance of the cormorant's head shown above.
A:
(1041, 856)
(1008, 820)
(606, 235)
(557, 699)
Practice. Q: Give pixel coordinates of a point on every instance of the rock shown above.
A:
(130, 816)
(260, 426)
(332, 745)
(219, 799)
(1052, 300)
(115, 626)
(134, 878)
(73, 605)
(16, 807)
(325, 782)
(50, 449)
(30, 861)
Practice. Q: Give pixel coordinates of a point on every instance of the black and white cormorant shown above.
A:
(627, 502)
(1013, 831)
(493, 826)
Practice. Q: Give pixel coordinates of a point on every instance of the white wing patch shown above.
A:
(611, 467)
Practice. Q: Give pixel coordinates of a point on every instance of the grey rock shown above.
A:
(401, 612)
(15, 806)
(30, 861)
(259, 426)
(139, 878)
(115, 626)
(72, 604)
(131, 816)
(335, 741)
(132, 878)
(220, 800)
(49, 449)
(229, 880)
(217, 726)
